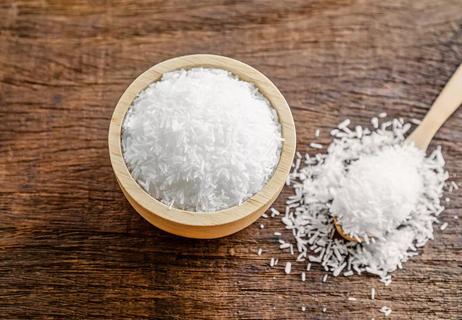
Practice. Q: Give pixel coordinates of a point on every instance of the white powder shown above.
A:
(357, 160)
(272, 262)
(316, 145)
(386, 311)
(379, 191)
(201, 139)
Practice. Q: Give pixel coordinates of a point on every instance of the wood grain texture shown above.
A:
(70, 244)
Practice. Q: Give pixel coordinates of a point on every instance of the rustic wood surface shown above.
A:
(70, 244)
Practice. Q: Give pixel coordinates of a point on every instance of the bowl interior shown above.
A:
(258, 201)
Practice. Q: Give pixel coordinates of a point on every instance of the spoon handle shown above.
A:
(445, 104)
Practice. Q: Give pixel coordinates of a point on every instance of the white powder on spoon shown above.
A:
(201, 139)
(379, 191)
(354, 174)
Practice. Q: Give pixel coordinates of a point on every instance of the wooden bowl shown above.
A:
(204, 225)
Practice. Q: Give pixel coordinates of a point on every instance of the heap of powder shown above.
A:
(379, 191)
(325, 183)
(201, 139)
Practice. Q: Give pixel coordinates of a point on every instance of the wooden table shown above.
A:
(70, 244)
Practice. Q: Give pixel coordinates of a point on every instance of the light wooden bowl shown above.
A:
(204, 225)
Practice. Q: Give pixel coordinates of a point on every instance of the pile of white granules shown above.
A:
(201, 139)
(378, 187)
(379, 191)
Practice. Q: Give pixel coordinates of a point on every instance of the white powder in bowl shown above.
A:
(201, 139)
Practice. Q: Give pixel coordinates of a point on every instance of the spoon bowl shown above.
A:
(345, 235)
(447, 102)
(204, 225)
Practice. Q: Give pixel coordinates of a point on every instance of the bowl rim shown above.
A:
(258, 201)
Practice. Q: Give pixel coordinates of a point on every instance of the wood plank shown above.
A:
(70, 244)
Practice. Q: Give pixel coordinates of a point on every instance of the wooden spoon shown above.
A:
(444, 106)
